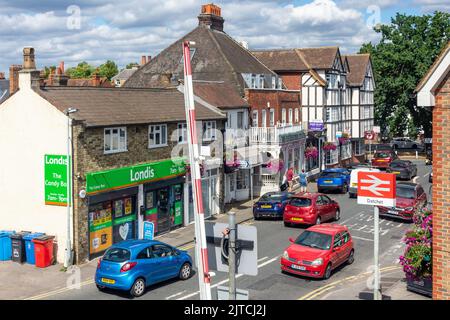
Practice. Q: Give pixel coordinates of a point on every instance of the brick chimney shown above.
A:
(14, 78)
(2, 76)
(143, 60)
(60, 79)
(211, 17)
(95, 79)
(29, 77)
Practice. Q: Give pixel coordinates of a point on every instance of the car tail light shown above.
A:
(99, 262)
(128, 266)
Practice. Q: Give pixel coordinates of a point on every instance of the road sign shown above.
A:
(149, 230)
(223, 294)
(246, 245)
(376, 189)
(369, 135)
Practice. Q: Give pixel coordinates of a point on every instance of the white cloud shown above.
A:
(125, 30)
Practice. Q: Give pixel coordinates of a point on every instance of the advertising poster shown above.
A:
(128, 206)
(55, 176)
(100, 227)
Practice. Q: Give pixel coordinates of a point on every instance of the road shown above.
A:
(273, 237)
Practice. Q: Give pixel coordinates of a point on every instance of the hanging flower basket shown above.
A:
(311, 153)
(274, 166)
(329, 146)
(344, 139)
(417, 259)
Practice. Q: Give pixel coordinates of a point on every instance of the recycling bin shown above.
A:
(43, 251)
(5, 245)
(18, 246)
(29, 246)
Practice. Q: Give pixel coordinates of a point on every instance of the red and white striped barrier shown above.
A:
(200, 234)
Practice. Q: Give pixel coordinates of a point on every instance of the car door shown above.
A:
(335, 256)
(346, 246)
(165, 262)
(320, 208)
(421, 197)
(147, 265)
(328, 208)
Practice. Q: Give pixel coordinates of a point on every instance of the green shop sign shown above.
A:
(55, 175)
(131, 176)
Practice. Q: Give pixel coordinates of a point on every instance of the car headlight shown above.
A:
(317, 262)
(286, 255)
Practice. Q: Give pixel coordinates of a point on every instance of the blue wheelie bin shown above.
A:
(5, 245)
(29, 246)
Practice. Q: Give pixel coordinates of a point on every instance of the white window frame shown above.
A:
(291, 115)
(209, 130)
(274, 82)
(121, 144)
(346, 151)
(255, 119)
(283, 116)
(261, 81)
(332, 157)
(263, 118)
(161, 137)
(253, 81)
(182, 132)
(271, 117)
(296, 115)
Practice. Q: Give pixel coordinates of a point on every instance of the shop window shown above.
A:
(242, 180)
(182, 133)
(115, 140)
(332, 156)
(209, 130)
(157, 136)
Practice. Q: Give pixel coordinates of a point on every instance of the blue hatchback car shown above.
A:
(271, 204)
(133, 265)
(337, 179)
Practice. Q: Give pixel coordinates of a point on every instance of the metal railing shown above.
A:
(271, 135)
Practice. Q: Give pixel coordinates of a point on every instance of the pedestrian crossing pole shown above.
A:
(201, 252)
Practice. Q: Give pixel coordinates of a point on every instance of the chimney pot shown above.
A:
(211, 17)
(61, 66)
(2, 75)
(149, 58)
(14, 78)
(28, 59)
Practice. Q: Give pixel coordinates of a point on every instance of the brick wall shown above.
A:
(292, 81)
(278, 100)
(89, 157)
(441, 192)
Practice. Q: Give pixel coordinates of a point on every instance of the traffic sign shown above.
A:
(376, 188)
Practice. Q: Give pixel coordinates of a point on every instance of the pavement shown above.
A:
(346, 283)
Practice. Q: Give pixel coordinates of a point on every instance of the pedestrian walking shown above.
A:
(303, 177)
(290, 178)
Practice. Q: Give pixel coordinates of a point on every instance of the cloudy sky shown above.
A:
(97, 30)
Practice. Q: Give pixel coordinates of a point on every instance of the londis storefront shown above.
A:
(120, 200)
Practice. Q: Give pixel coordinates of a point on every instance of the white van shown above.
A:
(353, 189)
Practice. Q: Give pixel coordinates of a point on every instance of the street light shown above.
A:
(68, 253)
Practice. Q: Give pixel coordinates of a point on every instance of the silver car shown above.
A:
(405, 143)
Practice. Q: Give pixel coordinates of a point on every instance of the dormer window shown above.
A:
(261, 81)
(253, 81)
(274, 82)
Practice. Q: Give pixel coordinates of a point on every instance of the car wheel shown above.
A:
(101, 288)
(337, 216)
(255, 217)
(185, 271)
(327, 273)
(351, 257)
(319, 190)
(318, 221)
(138, 288)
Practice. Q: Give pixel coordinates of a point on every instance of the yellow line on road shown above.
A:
(58, 291)
(327, 287)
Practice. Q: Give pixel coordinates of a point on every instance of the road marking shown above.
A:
(176, 295)
(187, 247)
(333, 284)
(361, 238)
(262, 259)
(226, 280)
(320, 292)
(58, 291)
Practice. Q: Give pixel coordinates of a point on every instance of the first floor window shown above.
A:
(290, 116)
(255, 119)
(283, 116)
(182, 133)
(346, 151)
(209, 130)
(296, 116)
(332, 156)
(272, 117)
(157, 135)
(115, 140)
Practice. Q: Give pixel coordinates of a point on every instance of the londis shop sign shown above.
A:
(55, 175)
(131, 176)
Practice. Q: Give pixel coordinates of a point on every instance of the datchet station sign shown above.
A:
(376, 189)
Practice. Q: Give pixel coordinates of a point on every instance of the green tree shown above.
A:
(131, 65)
(47, 71)
(81, 71)
(108, 69)
(407, 49)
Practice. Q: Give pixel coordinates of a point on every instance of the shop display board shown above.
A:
(100, 227)
(55, 179)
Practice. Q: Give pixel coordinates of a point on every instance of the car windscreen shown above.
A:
(330, 175)
(314, 240)
(272, 197)
(398, 165)
(300, 202)
(117, 255)
(382, 155)
(405, 192)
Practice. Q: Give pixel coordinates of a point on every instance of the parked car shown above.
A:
(318, 251)
(383, 158)
(333, 179)
(271, 204)
(410, 197)
(133, 265)
(310, 208)
(355, 165)
(353, 190)
(404, 169)
(405, 143)
(382, 146)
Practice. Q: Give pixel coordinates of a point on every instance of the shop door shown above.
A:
(164, 217)
(177, 205)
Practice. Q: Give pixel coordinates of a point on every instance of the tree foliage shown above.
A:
(84, 70)
(407, 49)
(109, 69)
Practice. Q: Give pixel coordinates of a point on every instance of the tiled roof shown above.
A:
(124, 74)
(122, 106)
(217, 57)
(219, 94)
(4, 90)
(358, 65)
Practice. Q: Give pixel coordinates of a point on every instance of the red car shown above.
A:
(310, 208)
(383, 158)
(410, 197)
(318, 251)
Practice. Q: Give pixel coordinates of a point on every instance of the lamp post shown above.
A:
(68, 252)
